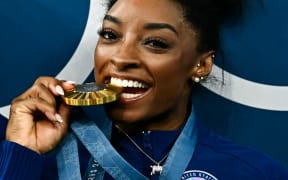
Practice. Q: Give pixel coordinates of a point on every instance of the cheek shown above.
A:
(171, 70)
(98, 57)
(172, 76)
(101, 58)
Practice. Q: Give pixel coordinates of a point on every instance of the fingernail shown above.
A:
(70, 82)
(58, 118)
(59, 90)
(50, 115)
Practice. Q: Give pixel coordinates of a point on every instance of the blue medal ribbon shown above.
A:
(106, 158)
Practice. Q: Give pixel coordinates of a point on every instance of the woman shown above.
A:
(157, 51)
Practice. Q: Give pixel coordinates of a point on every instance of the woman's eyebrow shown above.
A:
(112, 19)
(152, 26)
(149, 26)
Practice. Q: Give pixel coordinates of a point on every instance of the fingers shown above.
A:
(43, 97)
(68, 85)
(47, 88)
(30, 108)
(57, 87)
(64, 113)
(24, 115)
(61, 86)
(35, 124)
(38, 91)
(38, 120)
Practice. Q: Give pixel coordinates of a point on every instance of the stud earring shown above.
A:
(197, 79)
(213, 56)
(201, 78)
(198, 65)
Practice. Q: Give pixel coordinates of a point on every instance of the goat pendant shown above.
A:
(156, 169)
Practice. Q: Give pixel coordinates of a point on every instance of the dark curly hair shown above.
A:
(205, 17)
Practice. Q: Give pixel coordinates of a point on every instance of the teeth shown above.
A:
(126, 83)
(129, 95)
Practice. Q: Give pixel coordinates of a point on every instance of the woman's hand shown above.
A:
(37, 120)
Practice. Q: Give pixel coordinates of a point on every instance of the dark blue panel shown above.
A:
(256, 47)
(37, 38)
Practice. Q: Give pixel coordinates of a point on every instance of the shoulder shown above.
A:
(244, 161)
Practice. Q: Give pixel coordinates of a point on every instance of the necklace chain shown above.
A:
(155, 168)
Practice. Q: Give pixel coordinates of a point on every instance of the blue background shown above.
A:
(39, 37)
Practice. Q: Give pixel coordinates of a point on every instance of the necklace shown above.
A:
(157, 167)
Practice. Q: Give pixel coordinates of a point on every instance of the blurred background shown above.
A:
(246, 98)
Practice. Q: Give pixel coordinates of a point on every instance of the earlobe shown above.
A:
(203, 66)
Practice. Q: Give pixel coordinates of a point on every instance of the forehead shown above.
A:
(165, 11)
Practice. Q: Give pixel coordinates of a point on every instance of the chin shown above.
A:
(121, 116)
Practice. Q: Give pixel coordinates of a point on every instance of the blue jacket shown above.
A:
(214, 158)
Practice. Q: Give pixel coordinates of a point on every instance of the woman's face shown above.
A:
(146, 47)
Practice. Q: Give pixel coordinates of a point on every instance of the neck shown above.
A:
(161, 123)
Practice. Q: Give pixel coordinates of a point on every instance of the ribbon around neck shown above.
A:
(111, 161)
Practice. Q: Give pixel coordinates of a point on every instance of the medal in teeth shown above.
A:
(90, 94)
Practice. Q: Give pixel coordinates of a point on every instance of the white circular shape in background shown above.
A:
(249, 93)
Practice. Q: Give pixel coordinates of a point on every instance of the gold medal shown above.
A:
(90, 94)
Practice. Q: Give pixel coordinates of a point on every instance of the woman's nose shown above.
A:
(125, 63)
(126, 57)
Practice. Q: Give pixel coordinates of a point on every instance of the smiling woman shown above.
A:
(147, 50)
(157, 52)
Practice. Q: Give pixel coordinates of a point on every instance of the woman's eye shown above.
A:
(108, 34)
(156, 43)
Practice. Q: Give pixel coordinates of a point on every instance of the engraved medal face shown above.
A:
(90, 94)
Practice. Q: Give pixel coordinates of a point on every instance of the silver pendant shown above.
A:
(156, 169)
